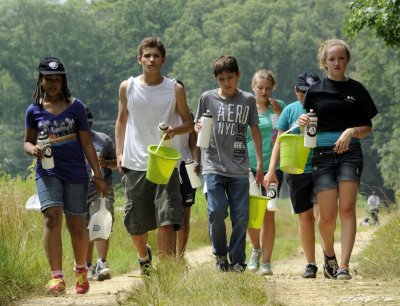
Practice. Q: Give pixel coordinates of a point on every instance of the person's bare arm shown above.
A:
(256, 136)
(87, 145)
(30, 146)
(183, 111)
(270, 176)
(120, 124)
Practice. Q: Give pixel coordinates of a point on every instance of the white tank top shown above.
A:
(147, 107)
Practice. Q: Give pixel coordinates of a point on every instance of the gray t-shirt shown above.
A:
(104, 146)
(227, 154)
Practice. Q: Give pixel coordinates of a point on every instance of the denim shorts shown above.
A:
(70, 197)
(329, 168)
(148, 205)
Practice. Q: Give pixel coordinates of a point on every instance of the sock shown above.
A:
(103, 260)
(79, 267)
(330, 257)
(56, 274)
(144, 259)
(312, 263)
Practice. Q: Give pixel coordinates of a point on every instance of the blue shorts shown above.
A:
(70, 197)
(329, 168)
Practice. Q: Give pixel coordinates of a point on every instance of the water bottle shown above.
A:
(45, 145)
(310, 135)
(254, 190)
(272, 195)
(162, 128)
(203, 139)
(193, 177)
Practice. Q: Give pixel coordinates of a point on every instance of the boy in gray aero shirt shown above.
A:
(226, 162)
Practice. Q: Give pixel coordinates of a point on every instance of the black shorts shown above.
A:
(187, 192)
(301, 190)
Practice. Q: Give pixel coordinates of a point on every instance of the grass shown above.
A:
(24, 268)
(381, 257)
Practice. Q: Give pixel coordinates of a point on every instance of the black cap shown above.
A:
(51, 65)
(305, 80)
(89, 114)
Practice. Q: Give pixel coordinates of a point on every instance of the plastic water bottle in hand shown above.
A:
(45, 145)
(193, 177)
(162, 128)
(203, 139)
(254, 190)
(310, 135)
(272, 195)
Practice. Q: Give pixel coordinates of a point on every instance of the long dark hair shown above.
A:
(38, 95)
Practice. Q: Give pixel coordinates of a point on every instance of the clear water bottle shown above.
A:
(204, 136)
(310, 135)
(45, 145)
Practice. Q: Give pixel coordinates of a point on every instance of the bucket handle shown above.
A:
(162, 139)
(292, 128)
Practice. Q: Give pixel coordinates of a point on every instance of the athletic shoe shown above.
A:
(146, 266)
(55, 286)
(82, 283)
(265, 269)
(254, 262)
(343, 274)
(238, 268)
(102, 270)
(222, 264)
(310, 272)
(330, 267)
(91, 273)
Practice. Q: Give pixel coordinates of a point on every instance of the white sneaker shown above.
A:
(254, 261)
(266, 269)
(91, 272)
(102, 271)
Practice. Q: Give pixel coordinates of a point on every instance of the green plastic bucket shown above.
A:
(161, 164)
(257, 208)
(294, 155)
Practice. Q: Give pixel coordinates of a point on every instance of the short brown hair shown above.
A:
(225, 63)
(151, 42)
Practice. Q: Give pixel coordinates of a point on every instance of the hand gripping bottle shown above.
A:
(162, 128)
(45, 145)
(310, 135)
(193, 177)
(272, 195)
(203, 139)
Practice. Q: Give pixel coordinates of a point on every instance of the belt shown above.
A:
(331, 149)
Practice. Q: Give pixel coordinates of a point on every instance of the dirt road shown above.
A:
(286, 282)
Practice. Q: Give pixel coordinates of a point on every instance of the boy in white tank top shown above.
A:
(144, 102)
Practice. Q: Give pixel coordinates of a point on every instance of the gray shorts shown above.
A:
(150, 206)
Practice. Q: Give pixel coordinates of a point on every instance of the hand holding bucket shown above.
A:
(100, 223)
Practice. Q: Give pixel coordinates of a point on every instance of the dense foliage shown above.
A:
(97, 42)
(381, 16)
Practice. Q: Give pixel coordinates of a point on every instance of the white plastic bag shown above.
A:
(33, 203)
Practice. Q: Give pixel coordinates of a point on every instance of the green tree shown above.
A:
(382, 17)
